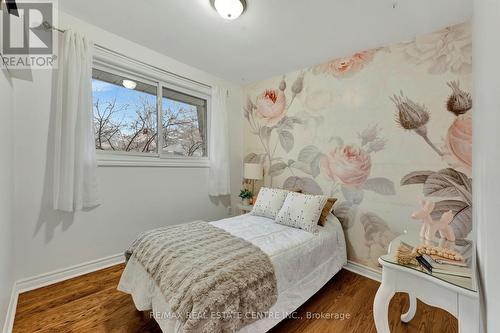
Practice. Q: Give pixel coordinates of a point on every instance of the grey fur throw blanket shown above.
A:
(212, 280)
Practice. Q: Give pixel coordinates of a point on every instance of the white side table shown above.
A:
(244, 208)
(457, 295)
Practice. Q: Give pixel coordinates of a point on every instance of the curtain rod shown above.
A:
(46, 25)
(49, 26)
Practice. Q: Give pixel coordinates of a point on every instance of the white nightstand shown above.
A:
(244, 208)
(459, 296)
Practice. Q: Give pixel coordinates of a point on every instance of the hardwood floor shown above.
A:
(91, 303)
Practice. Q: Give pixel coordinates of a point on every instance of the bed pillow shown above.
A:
(269, 202)
(301, 211)
(326, 211)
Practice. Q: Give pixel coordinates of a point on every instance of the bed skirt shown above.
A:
(147, 296)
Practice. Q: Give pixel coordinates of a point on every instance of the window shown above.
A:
(141, 119)
(184, 120)
(125, 120)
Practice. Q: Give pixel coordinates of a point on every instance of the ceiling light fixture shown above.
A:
(129, 84)
(229, 9)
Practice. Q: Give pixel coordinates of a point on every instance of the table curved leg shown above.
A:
(408, 316)
(381, 306)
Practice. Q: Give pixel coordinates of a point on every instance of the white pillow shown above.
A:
(301, 211)
(269, 202)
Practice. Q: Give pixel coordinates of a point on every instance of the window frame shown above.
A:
(114, 63)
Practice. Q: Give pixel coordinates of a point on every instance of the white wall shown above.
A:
(6, 192)
(486, 24)
(134, 198)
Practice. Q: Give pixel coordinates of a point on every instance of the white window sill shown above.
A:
(131, 161)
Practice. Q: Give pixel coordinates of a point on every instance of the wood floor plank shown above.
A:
(52, 296)
(91, 303)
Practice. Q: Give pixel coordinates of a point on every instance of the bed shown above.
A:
(303, 263)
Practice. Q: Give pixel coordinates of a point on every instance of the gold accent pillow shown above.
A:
(326, 210)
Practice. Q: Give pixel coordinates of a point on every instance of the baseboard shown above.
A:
(11, 311)
(59, 275)
(363, 270)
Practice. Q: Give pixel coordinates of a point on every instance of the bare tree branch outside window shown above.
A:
(181, 134)
(126, 120)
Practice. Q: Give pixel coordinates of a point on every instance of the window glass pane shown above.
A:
(125, 119)
(184, 124)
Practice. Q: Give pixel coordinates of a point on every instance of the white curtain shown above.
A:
(218, 182)
(75, 181)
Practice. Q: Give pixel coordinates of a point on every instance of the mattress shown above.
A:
(303, 263)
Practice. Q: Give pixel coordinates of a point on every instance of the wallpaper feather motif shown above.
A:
(379, 130)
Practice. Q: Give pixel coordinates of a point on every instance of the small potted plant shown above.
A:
(245, 196)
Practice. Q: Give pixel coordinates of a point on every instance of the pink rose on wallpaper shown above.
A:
(270, 106)
(459, 144)
(350, 165)
(346, 67)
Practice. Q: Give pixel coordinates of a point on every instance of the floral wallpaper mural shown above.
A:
(378, 130)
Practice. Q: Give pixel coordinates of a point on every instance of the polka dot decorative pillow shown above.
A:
(301, 211)
(269, 202)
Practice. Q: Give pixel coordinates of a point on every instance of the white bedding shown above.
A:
(303, 263)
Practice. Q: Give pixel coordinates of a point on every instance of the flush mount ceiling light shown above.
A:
(229, 9)
(129, 84)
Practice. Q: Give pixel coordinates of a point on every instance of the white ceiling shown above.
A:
(272, 36)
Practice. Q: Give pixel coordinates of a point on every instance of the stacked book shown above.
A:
(462, 268)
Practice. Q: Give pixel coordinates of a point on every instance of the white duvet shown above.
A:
(303, 263)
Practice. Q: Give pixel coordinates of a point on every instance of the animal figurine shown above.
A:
(430, 226)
